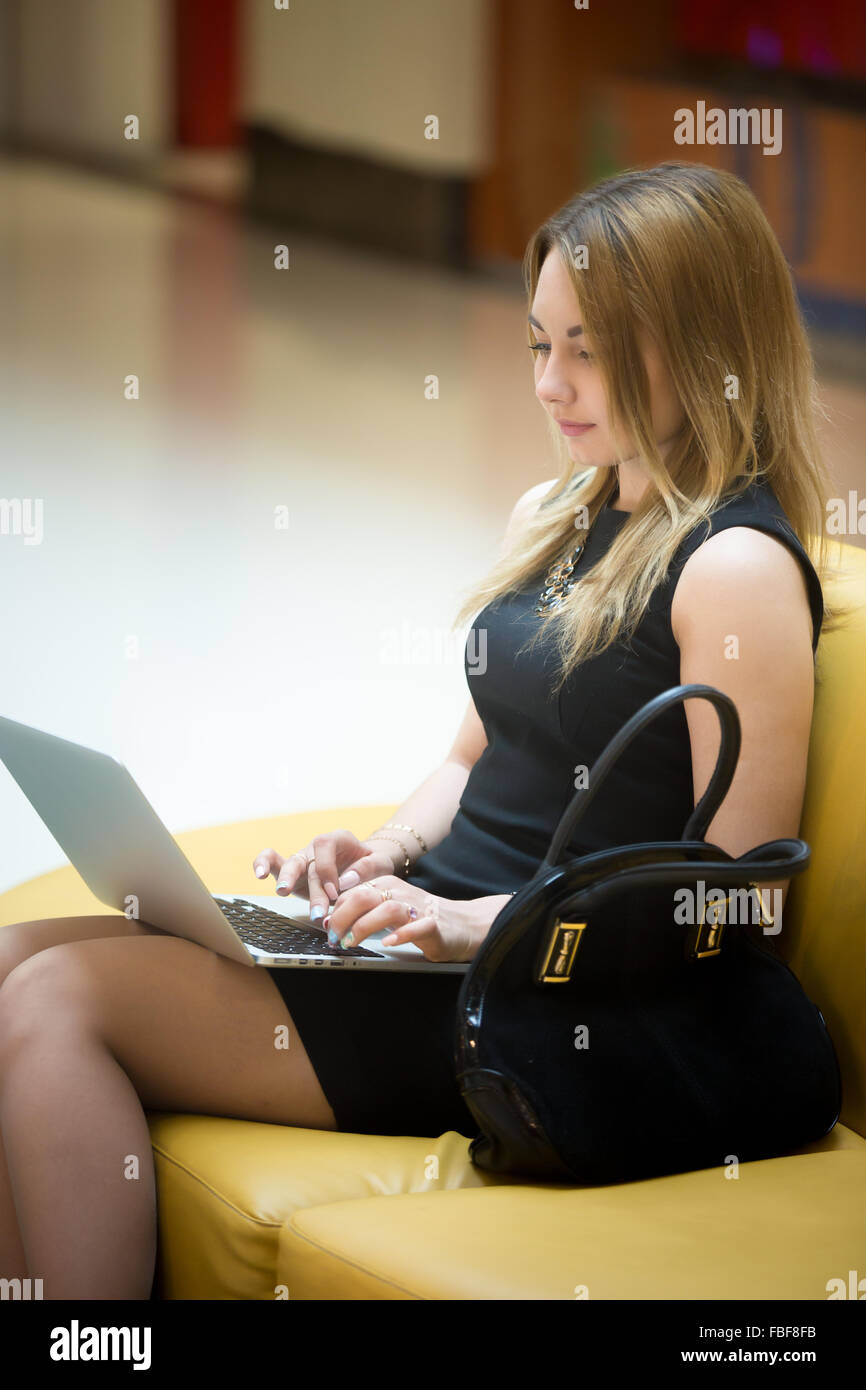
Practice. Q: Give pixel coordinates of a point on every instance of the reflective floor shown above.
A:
(255, 526)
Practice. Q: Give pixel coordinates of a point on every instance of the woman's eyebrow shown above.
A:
(569, 332)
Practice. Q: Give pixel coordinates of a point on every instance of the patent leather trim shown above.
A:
(513, 1139)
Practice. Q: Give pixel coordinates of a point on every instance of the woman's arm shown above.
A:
(432, 807)
(741, 618)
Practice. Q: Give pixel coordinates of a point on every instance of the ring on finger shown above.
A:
(391, 938)
(349, 938)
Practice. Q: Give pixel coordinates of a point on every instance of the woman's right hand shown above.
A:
(327, 866)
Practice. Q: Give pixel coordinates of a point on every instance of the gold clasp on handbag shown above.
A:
(767, 918)
(707, 939)
(561, 948)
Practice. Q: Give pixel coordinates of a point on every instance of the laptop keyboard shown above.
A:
(274, 933)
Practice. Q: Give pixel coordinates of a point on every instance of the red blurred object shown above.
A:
(206, 69)
(823, 40)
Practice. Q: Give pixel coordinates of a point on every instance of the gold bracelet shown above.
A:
(422, 842)
(394, 841)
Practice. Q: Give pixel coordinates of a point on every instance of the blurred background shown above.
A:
(235, 519)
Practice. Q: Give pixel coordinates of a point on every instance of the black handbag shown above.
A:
(620, 1021)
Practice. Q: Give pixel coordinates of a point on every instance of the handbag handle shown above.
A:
(723, 772)
(775, 860)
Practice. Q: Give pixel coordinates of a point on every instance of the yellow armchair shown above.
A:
(259, 1211)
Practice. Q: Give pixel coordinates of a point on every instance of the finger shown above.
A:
(424, 933)
(268, 862)
(363, 912)
(369, 866)
(293, 869)
(371, 893)
(319, 901)
(348, 910)
(325, 851)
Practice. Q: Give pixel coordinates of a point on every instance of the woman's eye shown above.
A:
(545, 349)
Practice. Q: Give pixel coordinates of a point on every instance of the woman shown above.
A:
(672, 360)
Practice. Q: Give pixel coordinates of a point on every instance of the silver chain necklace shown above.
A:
(560, 580)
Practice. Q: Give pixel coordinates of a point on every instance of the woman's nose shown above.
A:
(554, 387)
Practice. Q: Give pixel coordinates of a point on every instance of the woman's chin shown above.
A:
(586, 457)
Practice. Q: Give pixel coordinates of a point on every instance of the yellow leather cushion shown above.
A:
(227, 1188)
(230, 1192)
(781, 1230)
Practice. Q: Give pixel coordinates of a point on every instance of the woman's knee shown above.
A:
(17, 944)
(46, 990)
(86, 991)
(28, 1003)
(23, 940)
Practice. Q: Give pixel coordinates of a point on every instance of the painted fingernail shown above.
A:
(283, 888)
(261, 871)
(349, 879)
(316, 913)
(333, 937)
(348, 939)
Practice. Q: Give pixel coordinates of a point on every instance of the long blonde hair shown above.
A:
(684, 252)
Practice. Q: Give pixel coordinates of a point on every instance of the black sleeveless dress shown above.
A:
(382, 1044)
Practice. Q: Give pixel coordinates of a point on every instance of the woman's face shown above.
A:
(569, 386)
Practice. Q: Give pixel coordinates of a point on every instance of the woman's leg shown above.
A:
(92, 1033)
(17, 943)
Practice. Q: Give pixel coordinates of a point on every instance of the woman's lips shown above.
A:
(571, 427)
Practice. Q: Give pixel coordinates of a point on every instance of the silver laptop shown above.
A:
(127, 858)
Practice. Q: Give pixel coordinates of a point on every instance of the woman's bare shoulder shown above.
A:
(529, 501)
(744, 572)
(522, 512)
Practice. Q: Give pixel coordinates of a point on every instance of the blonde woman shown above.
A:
(676, 545)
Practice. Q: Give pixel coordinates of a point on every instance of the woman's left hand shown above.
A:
(443, 929)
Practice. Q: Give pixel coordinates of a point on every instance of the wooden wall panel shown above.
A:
(546, 124)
